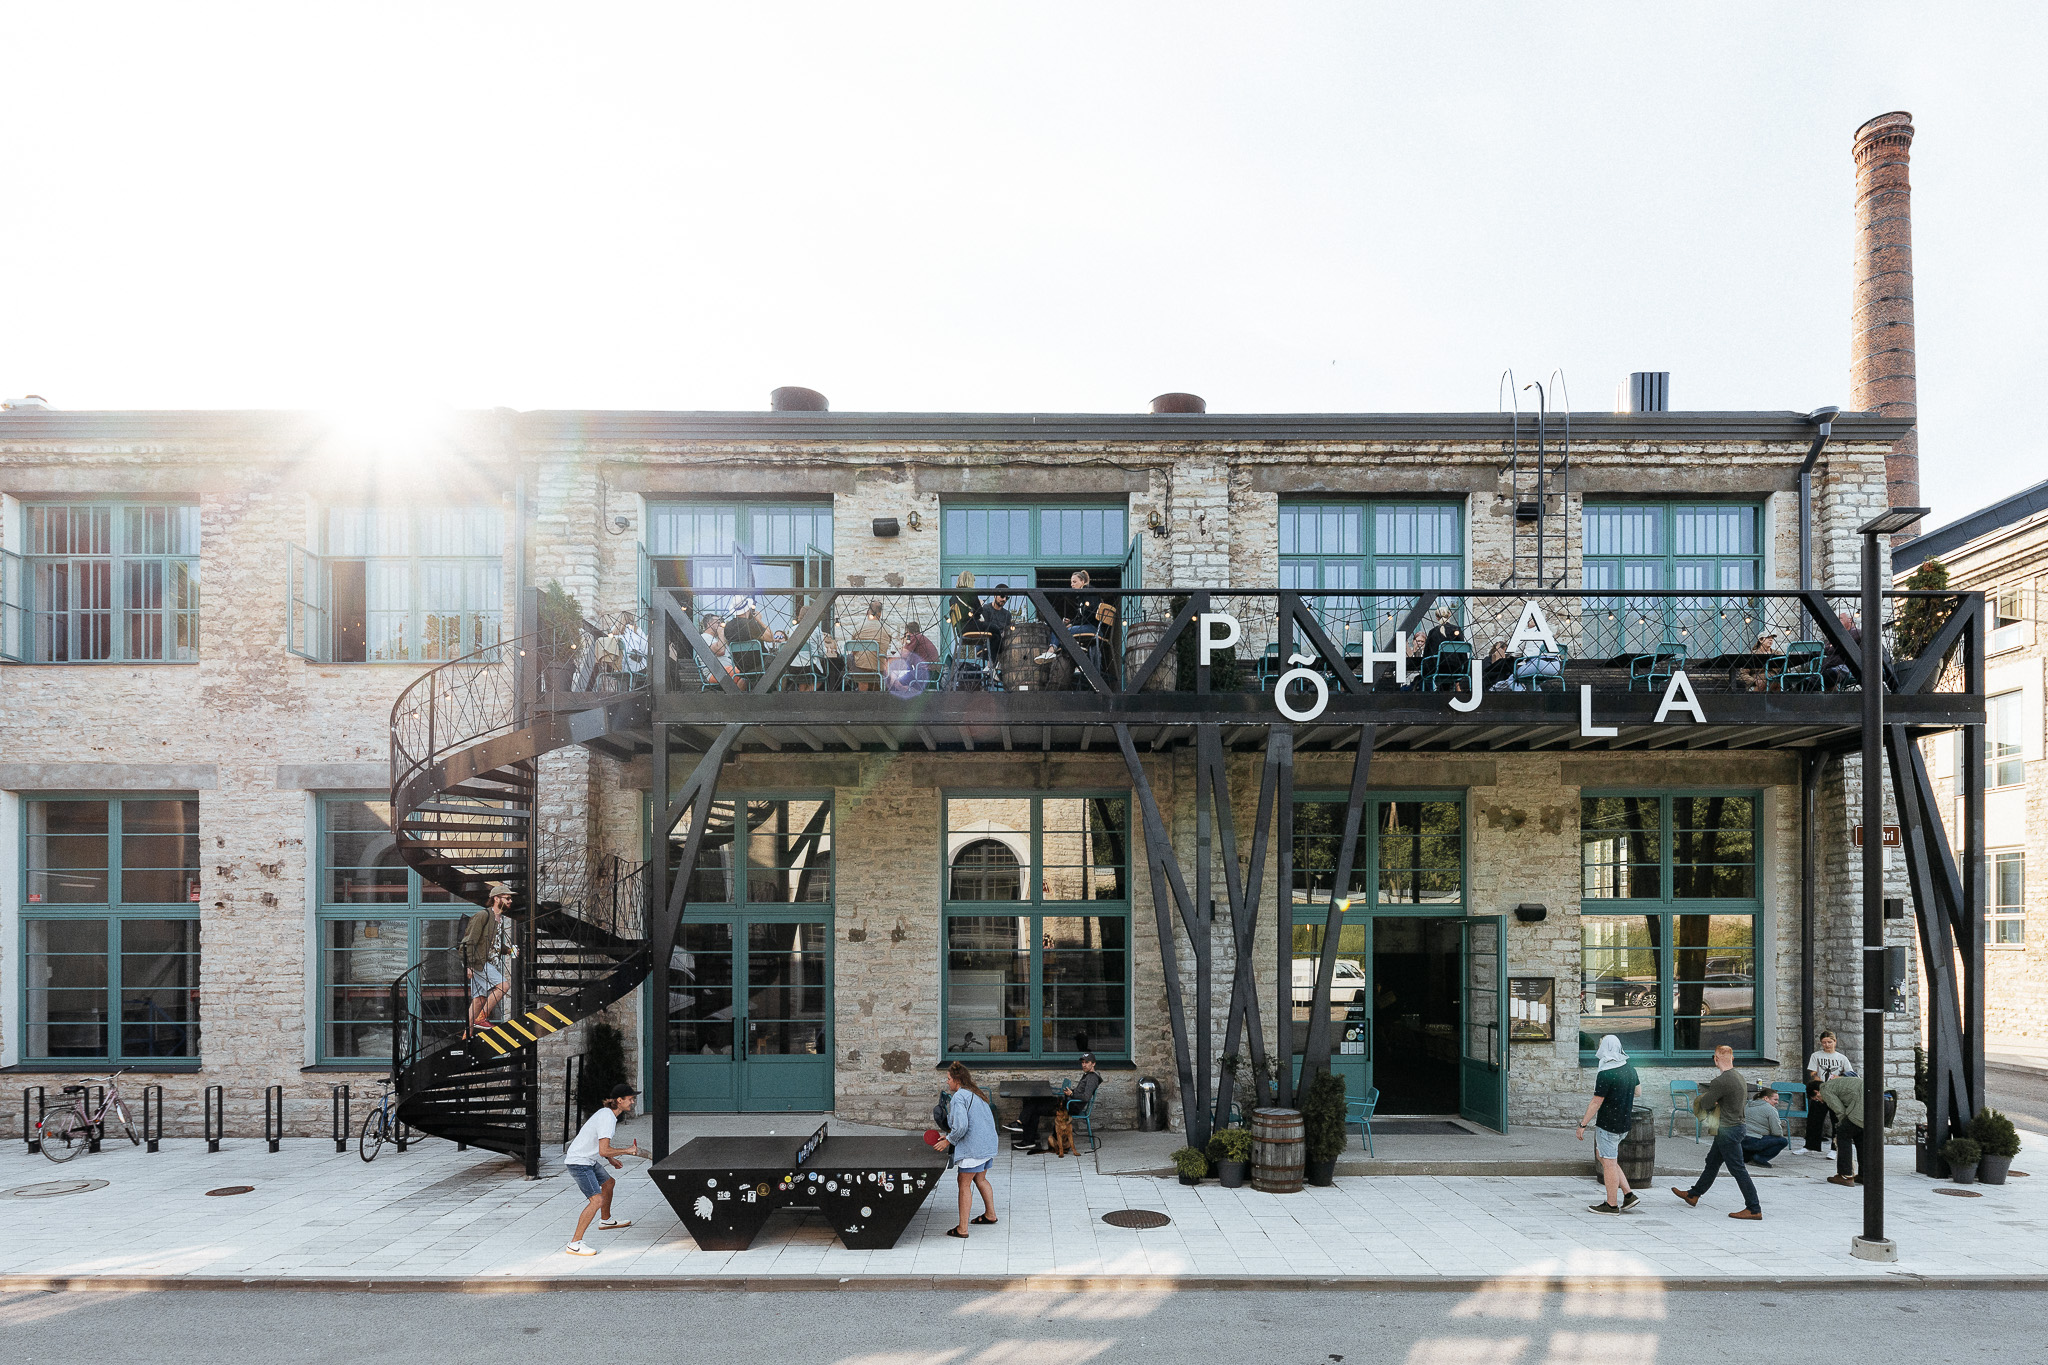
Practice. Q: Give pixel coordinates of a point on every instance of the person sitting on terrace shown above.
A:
(965, 614)
(910, 669)
(864, 649)
(713, 632)
(996, 617)
(1498, 664)
(746, 624)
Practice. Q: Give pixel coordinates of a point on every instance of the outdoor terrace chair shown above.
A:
(1798, 669)
(1084, 1114)
(863, 671)
(1682, 1096)
(1449, 668)
(1540, 672)
(1359, 1112)
(1269, 669)
(749, 662)
(1794, 1095)
(1653, 671)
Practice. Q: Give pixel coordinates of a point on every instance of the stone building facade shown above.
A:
(267, 714)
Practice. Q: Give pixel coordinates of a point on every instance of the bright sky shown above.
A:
(1305, 207)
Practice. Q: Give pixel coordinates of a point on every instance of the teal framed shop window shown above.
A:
(1036, 912)
(1668, 922)
(102, 582)
(110, 929)
(718, 551)
(1715, 548)
(1038, 545)
(397, 585)
(1396, 547)
(376, 920)
(1409, 858)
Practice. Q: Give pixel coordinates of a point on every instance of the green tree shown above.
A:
(1920, 617)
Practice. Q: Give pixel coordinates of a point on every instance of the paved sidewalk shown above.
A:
(434, 1216)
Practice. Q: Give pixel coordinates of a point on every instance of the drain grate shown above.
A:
(1961, 1194)
(1136, 1218)
(55, 1187)
(232, 1189)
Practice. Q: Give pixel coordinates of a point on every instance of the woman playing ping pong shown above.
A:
(972, 1137)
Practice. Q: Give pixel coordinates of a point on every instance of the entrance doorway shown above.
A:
(750, 1019)
(1413, 1002)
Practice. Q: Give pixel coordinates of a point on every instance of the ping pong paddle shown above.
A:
(932, 1136)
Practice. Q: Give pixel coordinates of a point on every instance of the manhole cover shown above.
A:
(50, 1187)
(1961, 1194)
(1136, 1218)
(232, 1189)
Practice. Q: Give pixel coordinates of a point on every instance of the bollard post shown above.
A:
(32, 1122)
(339, 1100)
(273, 1107)
(152, 1115)
(215, 1120)
(572, 1081)
(97, 1099)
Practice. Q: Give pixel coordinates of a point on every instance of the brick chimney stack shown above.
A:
(1882, 368)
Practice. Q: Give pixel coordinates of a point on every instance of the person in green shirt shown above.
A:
(1610, 1112)
(1721, 1103)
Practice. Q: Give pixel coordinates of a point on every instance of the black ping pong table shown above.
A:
(724, 1188)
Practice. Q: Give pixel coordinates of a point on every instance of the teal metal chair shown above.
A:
(1085, 1116)
(749, 661)
(1794, 1096)
(1359, 1112)
(1798, 669)
(1653, 671)
(1682, 1096)
(1448, 668)
(1269, 667)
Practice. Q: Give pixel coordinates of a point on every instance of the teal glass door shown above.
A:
(766, 1046)
(1483, 1023)
(1351, 1044)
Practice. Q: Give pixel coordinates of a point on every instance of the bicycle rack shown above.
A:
(152, 1115)
(273, 1106)
(216, 1117)
(338, 1099)
(30, 1127)
(572, 1081)
(97, 1105)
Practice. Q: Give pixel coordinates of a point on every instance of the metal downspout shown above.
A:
(1824, 422)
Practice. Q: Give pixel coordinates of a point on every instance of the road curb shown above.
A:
(988, 1284)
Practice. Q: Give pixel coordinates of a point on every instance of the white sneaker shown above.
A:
(609, 1223)
(578, 1249)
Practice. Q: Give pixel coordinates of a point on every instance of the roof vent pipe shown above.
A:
(792, 399)
(1179, 402)
(1649, 391)
(33, 400)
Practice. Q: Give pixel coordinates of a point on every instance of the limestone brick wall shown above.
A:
(861, 559)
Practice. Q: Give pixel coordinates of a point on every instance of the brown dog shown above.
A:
(1062, 1133)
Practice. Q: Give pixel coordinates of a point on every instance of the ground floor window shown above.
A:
(1037, 925)
(110, 929)
(377, 921)
(2008, 919)
(1668, 982)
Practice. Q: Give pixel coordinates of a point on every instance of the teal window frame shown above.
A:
(117, 584)
(744, 911)
(1365, 867)
(1035, 906)
(115, 913)
(1338, 545)
(1054, 535)
(751, 538)
(422, 905)
(423, 574)
(1615, 560)
(1667, 907)
(2006, 910)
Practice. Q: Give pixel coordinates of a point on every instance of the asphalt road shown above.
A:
(2022, 1095)
(1637, 1326)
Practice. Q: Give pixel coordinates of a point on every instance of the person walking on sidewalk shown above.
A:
(971, 1134)
(1823, 1066)
(1763, 1135)
(1843, 1098)
(1720, 1102)
(1612, 1109)
(594, 1144)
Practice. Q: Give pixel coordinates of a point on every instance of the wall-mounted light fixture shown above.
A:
(1530, 912)
(916, 522)
(1154, 522)
(886, 526)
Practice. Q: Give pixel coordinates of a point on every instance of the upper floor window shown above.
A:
(1713, 548)
(2008, 618)
(720, 551)
(1410, 853)
(2004, 735)
(2008, 910)
(103, 582)
(398, 585)
(1395, 547)
(1008, 545)
(110, 922)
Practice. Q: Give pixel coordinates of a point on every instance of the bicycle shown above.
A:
(62, 1134)
(382, 1125)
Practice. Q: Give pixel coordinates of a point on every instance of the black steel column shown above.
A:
(1283, 879)
(654, 1046)
(1974, 898)
(1809, 799)
(1873, 1240)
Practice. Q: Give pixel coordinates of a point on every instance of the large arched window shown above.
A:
(986, 870)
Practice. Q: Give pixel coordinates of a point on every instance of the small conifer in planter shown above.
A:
(2000, 1141)
(1191, 1164)
(1322, 1128)
(1962, 1156)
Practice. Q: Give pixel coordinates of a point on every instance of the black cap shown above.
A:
(622, 1091)
(1087, 1056)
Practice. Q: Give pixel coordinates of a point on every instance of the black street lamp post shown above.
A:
(1873, 1245)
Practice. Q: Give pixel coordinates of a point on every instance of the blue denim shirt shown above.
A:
(971, 1127)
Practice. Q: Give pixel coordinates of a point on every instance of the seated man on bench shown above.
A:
(1035, 1112)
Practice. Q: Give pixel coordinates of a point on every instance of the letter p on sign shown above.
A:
(1220, 630)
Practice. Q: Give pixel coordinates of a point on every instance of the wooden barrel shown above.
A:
(1277, 1149)
(1140, 639)
(1638, 1159)
(1022, 644)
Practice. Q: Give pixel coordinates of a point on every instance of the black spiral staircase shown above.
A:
(467, 741)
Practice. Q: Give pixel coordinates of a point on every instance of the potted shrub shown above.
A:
(1191, 1164)
(1322, 1128)
(561, 636)
(1230, 1153)
(2000, 1143)
(1962, 1156)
